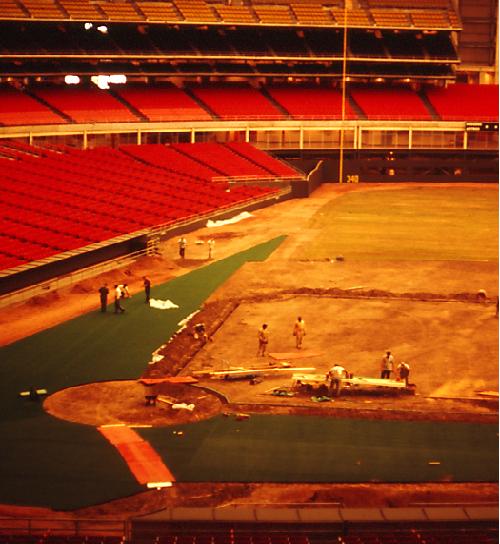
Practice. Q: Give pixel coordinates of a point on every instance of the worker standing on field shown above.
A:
(387, 365)
(299, 331)
(263, 336)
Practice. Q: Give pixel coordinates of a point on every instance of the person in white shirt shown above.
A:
(299, 331)
(182, 247)
(118, 295)
(387, 365)
(335, 374)
(211, 245)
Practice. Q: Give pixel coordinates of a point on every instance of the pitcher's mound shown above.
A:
(123, 401)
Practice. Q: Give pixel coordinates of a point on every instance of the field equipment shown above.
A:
(321, 382)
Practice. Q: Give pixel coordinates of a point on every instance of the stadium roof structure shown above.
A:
(196, 39)
(405, 14)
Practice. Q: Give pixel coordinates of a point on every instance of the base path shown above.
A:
(144, 463)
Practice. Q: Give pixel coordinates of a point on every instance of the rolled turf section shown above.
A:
(48, 462)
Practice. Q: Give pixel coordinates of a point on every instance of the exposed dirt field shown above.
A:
(427, 313)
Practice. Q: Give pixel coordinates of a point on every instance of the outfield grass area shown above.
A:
(414, 223)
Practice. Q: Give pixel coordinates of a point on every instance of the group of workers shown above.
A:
(182, 243)
(387, 368)
(121, 291)
(337, 373)
(299, 331)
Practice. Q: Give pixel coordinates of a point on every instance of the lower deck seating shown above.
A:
(18, 108)
(223, 159)
(167, 103)
(86, 104)
(390, 103)
(311, 102)
(53, 202)
(163, 103)
(465, 102)
(237, 102)
(274, 166)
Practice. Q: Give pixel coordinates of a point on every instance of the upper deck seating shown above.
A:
(86, 11)
(86, 105)
(311, 14)
(355, 17)
(465, 102)
(235, 14)
(196, 10)
(18, 108)
(430, 19)
(43, 9)
(390, 103)
(163, 103)
(11, 9)
(274, 14)
(390, 18)
(119, 11)
(311, 102)
(158, 11)
(237, 102)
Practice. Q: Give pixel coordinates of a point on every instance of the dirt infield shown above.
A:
(428, 313)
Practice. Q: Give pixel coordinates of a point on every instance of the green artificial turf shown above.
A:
(272, 448)
(57, 464)
(49, 462)
(416, 223)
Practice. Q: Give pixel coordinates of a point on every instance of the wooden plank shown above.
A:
(295, 355)
(235, 372)
(168, 379)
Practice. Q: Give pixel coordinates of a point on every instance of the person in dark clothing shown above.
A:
(147, 288)
(103, 294)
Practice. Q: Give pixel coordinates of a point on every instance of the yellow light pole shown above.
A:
(344, 81)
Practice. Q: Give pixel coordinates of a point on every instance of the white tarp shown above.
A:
(162, 304)
(235, 219)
